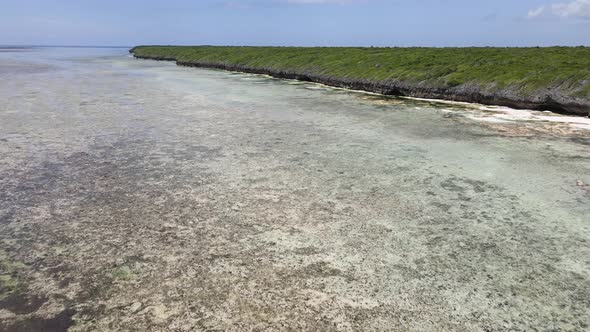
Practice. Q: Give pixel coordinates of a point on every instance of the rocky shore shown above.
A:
(549, 100)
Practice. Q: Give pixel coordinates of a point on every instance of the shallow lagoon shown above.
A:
(137, 194)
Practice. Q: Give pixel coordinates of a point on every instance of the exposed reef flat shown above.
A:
(143, 196)
(555, 79)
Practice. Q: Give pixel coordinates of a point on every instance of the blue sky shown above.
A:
(296, 22)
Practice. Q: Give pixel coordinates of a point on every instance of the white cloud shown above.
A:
(536, 12)
(577, 8)
(572, 9)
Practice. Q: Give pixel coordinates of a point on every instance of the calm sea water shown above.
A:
(320, 198)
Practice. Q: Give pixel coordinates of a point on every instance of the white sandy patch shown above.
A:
(488, 119)
(581, 126)
(500, 114)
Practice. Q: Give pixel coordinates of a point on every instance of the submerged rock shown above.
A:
(135, 307)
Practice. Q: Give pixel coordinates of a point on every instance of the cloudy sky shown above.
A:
(296, 22)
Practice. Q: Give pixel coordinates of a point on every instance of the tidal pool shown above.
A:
(137, 195)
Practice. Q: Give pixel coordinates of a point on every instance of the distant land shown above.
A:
(549, 78)
(57, 46)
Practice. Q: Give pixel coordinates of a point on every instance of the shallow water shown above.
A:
(136, 194)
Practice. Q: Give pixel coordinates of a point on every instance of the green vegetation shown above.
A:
(122, 272)
(523, 71)
(9, 281)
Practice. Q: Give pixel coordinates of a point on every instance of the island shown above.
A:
(551, 78)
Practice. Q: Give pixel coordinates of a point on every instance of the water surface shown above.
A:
(138, 195)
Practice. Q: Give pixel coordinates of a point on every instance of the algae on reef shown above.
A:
(9, 282)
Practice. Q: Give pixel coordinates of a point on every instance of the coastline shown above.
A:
(550, 100)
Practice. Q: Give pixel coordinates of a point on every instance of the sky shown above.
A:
(296, 22)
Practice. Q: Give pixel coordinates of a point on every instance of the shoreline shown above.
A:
(552, 101)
